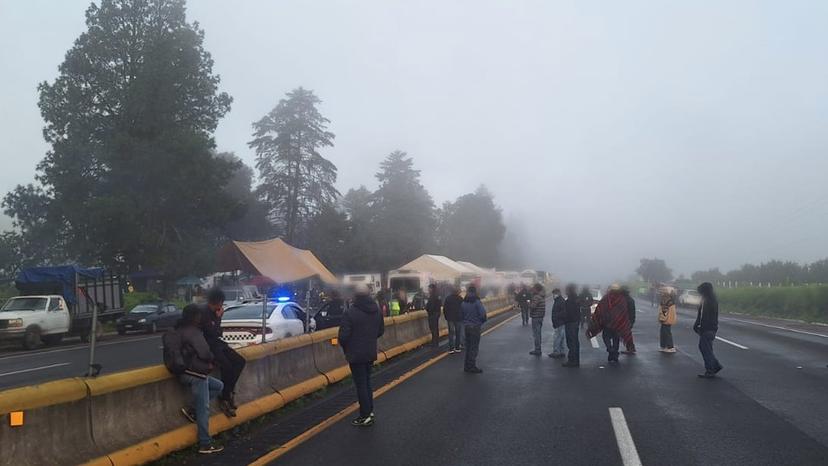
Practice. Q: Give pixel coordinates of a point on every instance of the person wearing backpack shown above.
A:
(187, 354)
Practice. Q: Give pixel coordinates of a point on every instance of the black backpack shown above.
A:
(174, 352)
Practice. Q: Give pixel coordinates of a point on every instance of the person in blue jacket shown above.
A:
(474, 315)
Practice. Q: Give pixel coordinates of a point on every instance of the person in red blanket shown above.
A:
(612, 319)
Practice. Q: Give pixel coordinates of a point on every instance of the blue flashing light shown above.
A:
(282, 299)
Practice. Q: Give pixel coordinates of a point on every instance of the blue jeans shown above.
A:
(558, 340)
(711, 364)
(537, 327)
(455, 335)
(203, 391)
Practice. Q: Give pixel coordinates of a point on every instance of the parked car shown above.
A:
(148, 318)
(689, 298)
(242, 325)
(330, 314)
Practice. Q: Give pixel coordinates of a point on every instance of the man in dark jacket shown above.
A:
(474, 316)
(433, 308)
(629, 343)
(361, 326)
(198, 360)
(230, 363)
(537, 311)
(706, 326)
(558, 322)
(454, 319)
(524, 299)
(586, 301)
(572, 319)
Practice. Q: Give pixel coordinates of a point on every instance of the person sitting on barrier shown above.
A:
(230, 363)
(362, 324)
(198, 360)
(474, 316)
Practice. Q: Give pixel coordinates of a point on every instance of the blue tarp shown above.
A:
(63, 274)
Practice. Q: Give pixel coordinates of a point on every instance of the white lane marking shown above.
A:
(35, 369)
(639, 310)
(626, 446)
(777, 327)
(594, 342)
(84, 346)
(731, 343)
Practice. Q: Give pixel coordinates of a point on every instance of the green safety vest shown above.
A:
(395, 307)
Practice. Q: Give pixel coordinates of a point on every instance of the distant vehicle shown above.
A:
(148, 318)
(410, 281)
(689, 298)
(242, 295)
(373, 280)
(242, 325)
(59, 301)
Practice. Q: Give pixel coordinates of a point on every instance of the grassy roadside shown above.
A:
(807, 303)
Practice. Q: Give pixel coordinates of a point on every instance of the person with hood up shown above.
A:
(706, 326)
(524, 299)
(558, 321)
(433, 308)
(611, 319)
(537, 311)
(361, 326)
(667, 318)
(454, 320)
(474, 316)
(572, 323)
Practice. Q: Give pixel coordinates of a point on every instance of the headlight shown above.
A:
(142, 321)
(15, 323)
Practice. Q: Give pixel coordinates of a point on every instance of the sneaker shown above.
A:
(210, 449)
(225, 408)
(459, 350)
(451, 351)
(189, 413)
(535, 353)
(718, 369)
(670, 350)
(363, 421)
(474, 370)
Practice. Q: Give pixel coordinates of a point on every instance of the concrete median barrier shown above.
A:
(330, 361)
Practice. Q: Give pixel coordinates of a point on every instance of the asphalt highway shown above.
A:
(767, 408)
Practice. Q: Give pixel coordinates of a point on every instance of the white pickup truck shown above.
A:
(34, 319)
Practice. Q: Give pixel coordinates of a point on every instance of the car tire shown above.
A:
(52, 339)
(152, 328)
(32, 339)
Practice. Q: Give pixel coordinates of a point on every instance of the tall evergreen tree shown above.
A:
(471, 228)
(297, 181)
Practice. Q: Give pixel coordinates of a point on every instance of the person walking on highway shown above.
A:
(706, 326)
(586, 301)
(230, 363)
(558, 321)
(611, 319)
(361, 326)
(667, 318)
(198, 363)
(524, 299)
(629, 343)
(433, 307)
(572, 323)
(454, 320)
(474, 316)
(537, 311)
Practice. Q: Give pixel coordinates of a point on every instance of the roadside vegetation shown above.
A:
(808, 303)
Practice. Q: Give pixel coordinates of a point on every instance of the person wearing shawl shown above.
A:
(612, 320)
(667, 318)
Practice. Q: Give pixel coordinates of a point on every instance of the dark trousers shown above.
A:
(524, 313)
(711, 364)
(611, 340)
(361, 373)
(472, 345)
(434, 327)
(231, 364)
(537, 330)
(571, 329)
(666, 336)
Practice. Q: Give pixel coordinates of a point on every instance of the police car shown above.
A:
(242, 324)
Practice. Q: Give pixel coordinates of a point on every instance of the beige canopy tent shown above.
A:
(440, 267)
(274, 259)
(480, 271)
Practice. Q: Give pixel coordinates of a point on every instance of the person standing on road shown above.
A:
(361, 326)
(433, 308)
(572, 323)
(198, 363)
(611, 319)
(524, 299)
(586, 301)
(537, 312)
(667, 318)
(629, 343)
(454, 320)
(474, 316)
(558, 321)
(706, 326)
(230, 363)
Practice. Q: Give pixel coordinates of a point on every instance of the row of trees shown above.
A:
(774, 272)
(133, 181)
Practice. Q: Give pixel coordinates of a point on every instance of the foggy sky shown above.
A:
(610, 130)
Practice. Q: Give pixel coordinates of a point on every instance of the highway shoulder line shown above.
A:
(778, 327)
(318, 428)
(626, 446)
(32, 369)
(731, 343)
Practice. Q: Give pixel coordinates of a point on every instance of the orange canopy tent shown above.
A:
(275, 260)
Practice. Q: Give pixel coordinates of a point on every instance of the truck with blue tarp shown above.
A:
(59, 301)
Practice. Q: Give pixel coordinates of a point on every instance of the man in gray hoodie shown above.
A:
(474, 316)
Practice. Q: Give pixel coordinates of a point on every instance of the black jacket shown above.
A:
(523, 299)
(211, 327)
(433, 305)
(451, 308)
(558, 311)
(630, 307)
(361, 325)
(196, 351)
(707, 318)
(573, 309)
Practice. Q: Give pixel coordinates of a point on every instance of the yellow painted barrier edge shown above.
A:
(41, 395)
